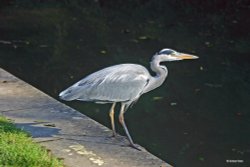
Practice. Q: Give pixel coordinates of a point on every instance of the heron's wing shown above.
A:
(123, 82)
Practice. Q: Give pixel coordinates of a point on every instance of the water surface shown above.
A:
(199, 116)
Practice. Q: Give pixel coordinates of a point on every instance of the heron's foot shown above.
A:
(135, 146)
(114, 135)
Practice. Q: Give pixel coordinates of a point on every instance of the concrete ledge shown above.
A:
(79, 140)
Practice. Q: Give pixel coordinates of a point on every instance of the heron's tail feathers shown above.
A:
(72, 93)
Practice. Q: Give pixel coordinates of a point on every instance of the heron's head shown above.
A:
(172, 55)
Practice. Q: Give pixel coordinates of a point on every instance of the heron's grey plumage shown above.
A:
(118, 83)
(123, 83)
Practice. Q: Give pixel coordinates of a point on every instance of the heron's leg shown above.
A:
(111, 114)
(121, 119)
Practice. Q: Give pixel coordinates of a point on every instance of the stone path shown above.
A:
(68, 134)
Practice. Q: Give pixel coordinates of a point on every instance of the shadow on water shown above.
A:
(199, 116)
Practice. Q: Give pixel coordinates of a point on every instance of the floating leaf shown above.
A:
(173, 103)
(239, 114)
(134, 40)
(43, 46)
(213, 85)
(5, 42)
(235, 21)
(125, 31)
(233, 149)
(157, 98)
(143, 37)
(103, 51)
(197, 90)
(201, 158)
(208, 44)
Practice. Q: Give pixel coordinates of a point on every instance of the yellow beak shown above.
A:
(187, 56)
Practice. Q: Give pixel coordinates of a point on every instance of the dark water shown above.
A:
(198, 117)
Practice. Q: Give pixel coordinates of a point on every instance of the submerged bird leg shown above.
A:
(111, 114)
(121, 120)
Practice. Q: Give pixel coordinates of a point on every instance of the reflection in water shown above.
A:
(200, 115)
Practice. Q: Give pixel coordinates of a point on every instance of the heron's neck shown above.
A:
(161, 74)
(160, 70)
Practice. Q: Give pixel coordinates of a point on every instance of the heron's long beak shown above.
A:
(187, 56)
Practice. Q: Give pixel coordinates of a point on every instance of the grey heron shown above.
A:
(123, 83)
